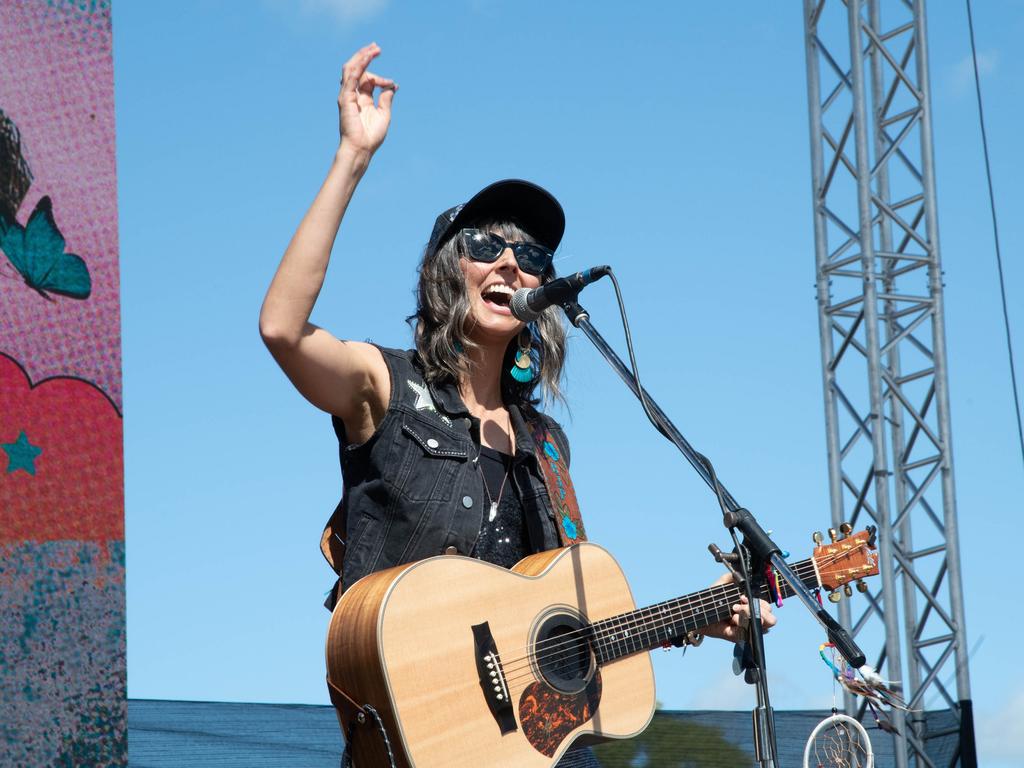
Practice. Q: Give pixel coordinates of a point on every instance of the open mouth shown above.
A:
(499, 295)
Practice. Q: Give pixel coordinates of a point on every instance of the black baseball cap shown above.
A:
(531, 207)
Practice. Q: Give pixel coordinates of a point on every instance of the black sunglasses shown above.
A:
(486, 246)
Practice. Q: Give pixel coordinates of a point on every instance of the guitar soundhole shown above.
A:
(562, 654)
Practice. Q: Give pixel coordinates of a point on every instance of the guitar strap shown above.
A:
(332, 546)
(555, 471)
(351, 714)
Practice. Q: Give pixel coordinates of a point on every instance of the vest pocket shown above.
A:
(434, 442)
(430, 457)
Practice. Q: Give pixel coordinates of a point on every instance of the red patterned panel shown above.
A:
(61, 469)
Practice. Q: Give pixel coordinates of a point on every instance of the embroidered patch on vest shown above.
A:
(424, 402)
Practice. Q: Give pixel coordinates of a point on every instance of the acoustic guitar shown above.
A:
(467, 664)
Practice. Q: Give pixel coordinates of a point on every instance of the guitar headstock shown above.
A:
(849, 557)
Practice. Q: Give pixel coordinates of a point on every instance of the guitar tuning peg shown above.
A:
(847, 590)
(862, 587)
(832, 534)
(846, 529)
(818, 538)
(835, 597)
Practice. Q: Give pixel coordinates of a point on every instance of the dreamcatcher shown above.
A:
(839, 741)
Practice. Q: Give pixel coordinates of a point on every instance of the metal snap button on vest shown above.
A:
(467, 502)
(451, 551)
(432, 443)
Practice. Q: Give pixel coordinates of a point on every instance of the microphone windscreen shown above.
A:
(520, 308)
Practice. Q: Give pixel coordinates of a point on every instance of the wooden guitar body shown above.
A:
(414, 642)
(469, 665)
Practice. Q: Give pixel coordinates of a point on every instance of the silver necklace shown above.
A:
(492, 502)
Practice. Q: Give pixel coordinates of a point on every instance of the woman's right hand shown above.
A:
(363, 123)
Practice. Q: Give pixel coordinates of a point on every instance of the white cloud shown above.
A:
(342, 10)
(729, 692)
(963, 72)
(1001, 733)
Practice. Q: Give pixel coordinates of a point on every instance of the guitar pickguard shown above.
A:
(547, 716)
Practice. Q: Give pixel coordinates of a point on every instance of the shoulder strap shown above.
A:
(555, 470)
(332, 545)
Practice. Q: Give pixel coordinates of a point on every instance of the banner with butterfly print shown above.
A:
(62, 599)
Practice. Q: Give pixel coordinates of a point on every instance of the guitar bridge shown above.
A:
(492, 678)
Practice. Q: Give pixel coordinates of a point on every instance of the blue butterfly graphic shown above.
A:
(37, 252)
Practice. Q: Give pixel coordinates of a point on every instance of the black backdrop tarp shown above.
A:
(174, 734)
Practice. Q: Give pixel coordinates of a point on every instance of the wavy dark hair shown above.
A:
(442, 316)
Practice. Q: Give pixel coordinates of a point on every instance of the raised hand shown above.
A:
(363, 123)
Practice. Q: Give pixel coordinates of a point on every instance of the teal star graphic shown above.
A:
(21, 454)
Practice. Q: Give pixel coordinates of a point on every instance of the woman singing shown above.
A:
(438, 444)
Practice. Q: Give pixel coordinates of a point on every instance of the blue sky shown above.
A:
(676, 137)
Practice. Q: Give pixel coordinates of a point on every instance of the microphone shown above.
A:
(528, 303)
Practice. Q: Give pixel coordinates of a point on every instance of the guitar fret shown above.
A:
(647, 628)
(602, 642)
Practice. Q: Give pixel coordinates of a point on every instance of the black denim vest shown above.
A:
(413, 489)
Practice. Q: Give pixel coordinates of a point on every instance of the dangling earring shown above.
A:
(523, 371)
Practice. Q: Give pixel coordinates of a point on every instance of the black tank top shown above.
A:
(504, 539)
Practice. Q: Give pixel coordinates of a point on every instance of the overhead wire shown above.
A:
(995, 231)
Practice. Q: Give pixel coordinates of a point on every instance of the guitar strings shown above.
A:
(724, 597)
(717, 602)
(730, 592)
(683, 608)
(714, 599)
(633, 620)
(624, 622)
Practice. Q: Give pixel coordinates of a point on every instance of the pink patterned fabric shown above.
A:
(58, 89)
(62, 612)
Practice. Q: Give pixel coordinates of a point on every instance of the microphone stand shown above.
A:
(757, 551)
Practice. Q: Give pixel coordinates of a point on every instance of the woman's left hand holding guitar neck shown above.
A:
(735, 627)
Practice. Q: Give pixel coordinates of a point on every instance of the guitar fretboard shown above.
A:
(647, 628)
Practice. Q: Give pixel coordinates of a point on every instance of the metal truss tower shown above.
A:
(879, 283)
